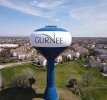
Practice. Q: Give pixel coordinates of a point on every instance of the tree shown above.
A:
(75, 86)
(64, 59)
(72, 82)
(93, 52)
(24, 80)
(5, 54)
(87, 78)
(31, 81)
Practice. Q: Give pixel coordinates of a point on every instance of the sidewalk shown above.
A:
(11, 64)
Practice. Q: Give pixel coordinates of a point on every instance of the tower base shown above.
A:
(50, 94)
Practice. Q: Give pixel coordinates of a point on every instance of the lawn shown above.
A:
(63, 72)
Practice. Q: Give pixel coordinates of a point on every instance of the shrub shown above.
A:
(24, 80)
(72, 82)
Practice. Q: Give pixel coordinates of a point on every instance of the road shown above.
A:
(11, 64)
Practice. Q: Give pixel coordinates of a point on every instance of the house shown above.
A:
(9, 45)
(40, 60)
(100, 46)
(14, 54)
(101, 51)
(77, 55)
(69, 56)
(1, 49)
(24, 52)
(80, 49)
(58, 59)
(92, 62)
(21, 56)
(92, 46)
(104, 72)
(103, 57)
(105, 46)
(66, 56)
(104, 67)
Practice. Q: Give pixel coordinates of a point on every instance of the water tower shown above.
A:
(50, 41)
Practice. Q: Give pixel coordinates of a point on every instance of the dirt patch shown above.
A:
(64, 94)
(67, 95)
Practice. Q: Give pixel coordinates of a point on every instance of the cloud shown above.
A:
(91, 20)
(34, 7)
(50, 4)
(27, 10)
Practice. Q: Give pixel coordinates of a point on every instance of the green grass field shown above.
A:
(63, 72)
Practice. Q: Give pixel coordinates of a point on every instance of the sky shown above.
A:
(82, 18)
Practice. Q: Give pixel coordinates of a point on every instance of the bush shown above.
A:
(72, 82)
(24, 80)
(75, 86)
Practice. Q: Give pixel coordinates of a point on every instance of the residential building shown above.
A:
(58, 59)
(94, 62)
(40, 60)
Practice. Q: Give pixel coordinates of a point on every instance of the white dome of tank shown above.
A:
(51, 36)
